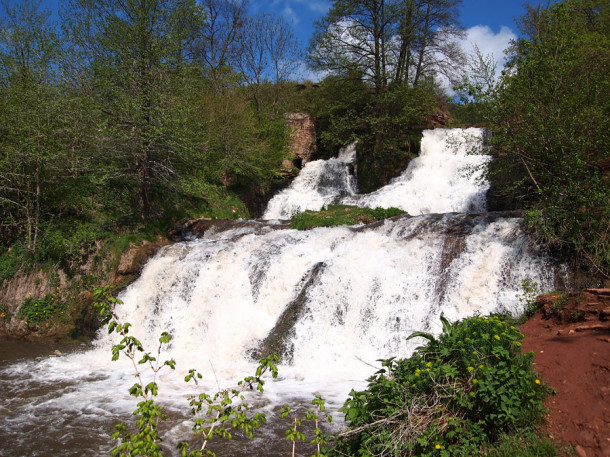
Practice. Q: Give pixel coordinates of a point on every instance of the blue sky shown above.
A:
(303, 13)
(489, 23)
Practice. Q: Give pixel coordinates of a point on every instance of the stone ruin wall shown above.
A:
(303, 140)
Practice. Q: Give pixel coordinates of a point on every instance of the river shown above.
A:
(355, 294)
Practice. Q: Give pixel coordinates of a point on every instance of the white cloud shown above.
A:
(488, 42)
(290, 15)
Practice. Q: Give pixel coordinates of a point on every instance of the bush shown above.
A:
(456, 395)
(37, 311)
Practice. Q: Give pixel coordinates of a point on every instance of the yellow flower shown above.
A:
(537, 381)
(438, 446)
(470, 368)
(497, 337)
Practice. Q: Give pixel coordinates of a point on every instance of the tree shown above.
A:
(268, 55)
(354, 37)
(237, 148)
(135, 51)
(31, 118)
(476, 89)
(551, 129)
(400, 41)
(218, 44)
(435, 44)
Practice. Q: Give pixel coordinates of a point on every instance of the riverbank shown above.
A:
(570, 336)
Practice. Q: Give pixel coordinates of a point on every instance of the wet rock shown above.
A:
(133, 260)
(197, 228)
(278, 339)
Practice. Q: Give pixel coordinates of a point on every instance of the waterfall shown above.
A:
(319, 183)
(331, 301)
(446, 177)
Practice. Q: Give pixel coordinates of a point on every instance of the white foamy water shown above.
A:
(446, 177)
(319, 183)
(363, 289)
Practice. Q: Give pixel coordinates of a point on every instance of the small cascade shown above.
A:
(331, 301)
(320, 183)
(446, 177)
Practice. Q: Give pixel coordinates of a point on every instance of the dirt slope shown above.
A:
(570, 335)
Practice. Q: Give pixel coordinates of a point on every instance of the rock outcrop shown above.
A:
(69, 295)
(303, 140)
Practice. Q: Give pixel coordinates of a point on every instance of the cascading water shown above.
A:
(319, 183)
(446, 177)
(331, 301)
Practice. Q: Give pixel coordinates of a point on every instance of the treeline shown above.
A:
(128, 112)
(550, 118)
(135, 111)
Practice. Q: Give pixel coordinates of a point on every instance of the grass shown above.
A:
(523, 444)
(336, 215)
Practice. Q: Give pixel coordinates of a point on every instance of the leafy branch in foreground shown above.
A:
(146, 440)
(316, 415)
(226, 410)
(217, 415)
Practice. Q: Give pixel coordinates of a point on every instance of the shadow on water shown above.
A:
(13, 350)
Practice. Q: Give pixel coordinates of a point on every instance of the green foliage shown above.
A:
(336, 215)
(524, 444)
(227, 411)
(460, 392)
(551, 130)
(49, 307)
(527, 297)
(241, 147)
(317, 414)
(13, 260)
(5, 314)
(217, 415)
(387, 125)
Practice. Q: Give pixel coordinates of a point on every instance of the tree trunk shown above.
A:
(422, 51)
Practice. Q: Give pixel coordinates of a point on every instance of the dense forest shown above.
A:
(126, 116)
